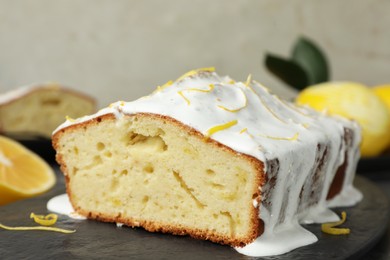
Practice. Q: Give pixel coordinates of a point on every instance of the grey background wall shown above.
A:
(123, 49)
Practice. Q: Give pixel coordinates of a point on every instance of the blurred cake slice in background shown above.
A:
(38, 109)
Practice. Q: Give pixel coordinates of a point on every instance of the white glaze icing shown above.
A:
(347, 198)
(61, 205)
(259, 124)
(282, 240)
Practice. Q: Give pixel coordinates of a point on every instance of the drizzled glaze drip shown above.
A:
(257, 129)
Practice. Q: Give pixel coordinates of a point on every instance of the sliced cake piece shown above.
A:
(152, 171)
(39, 109)
(212, 158)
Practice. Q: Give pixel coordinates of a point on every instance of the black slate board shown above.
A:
(94, 240)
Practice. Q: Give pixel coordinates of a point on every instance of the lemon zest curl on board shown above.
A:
(43, 220)
(332, 229)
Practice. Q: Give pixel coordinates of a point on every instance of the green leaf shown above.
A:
(312, 60)
(288, 71)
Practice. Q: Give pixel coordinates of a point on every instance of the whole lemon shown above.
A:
(354, 101)
(383, 92)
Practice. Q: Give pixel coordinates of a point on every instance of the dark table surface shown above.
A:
(382, 249)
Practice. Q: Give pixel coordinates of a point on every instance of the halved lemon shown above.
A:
(23, 174)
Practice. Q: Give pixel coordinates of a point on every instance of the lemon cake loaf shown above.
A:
(212, 158)
(40, 108)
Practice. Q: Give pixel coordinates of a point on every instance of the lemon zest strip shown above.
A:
(169, 83)
(305, 125)
(160, 88)
(211, 88)
(269, 109)
(43, 220)
(182, 95)
(332, 229)
(237, 109)
(70, 119)
(193, 72)
(264, 87)
(221, 127)
(243, 130)
(295, 108)
(293, 138)
(60, 230)
(248, 80)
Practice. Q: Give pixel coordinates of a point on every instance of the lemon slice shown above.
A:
(23, 174)
(354, 101)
